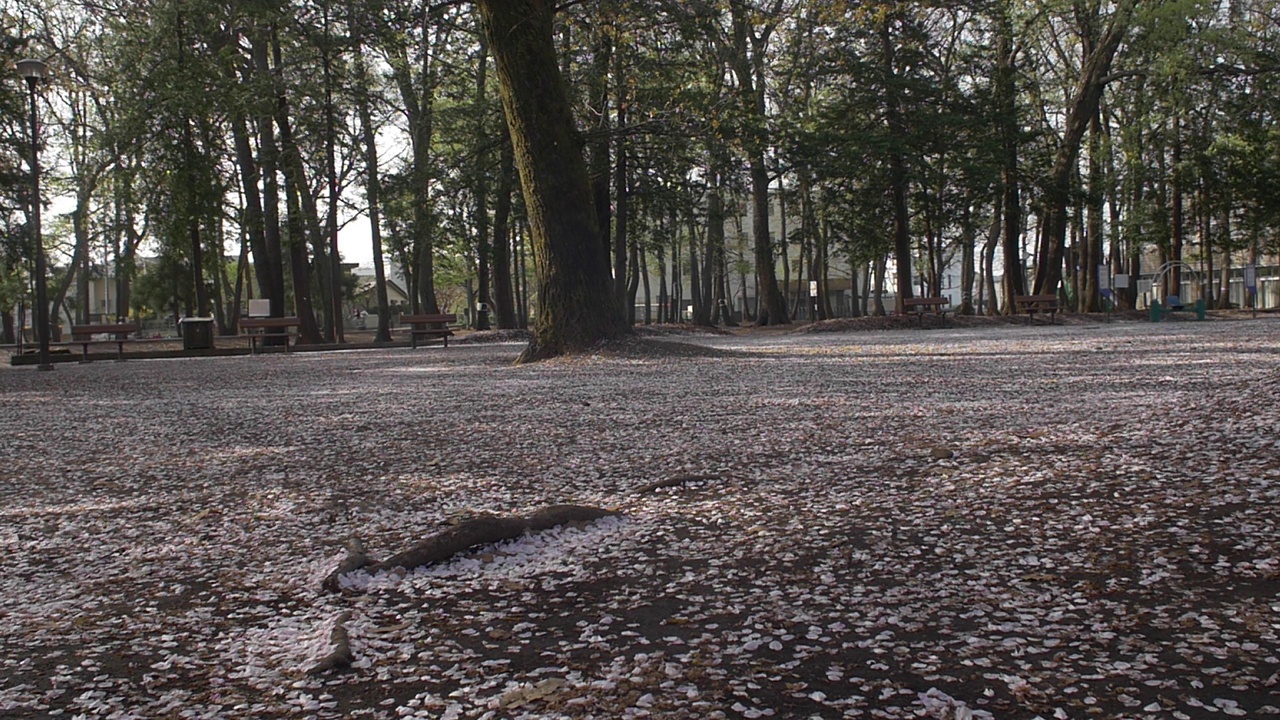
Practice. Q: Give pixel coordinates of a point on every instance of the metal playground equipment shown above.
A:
(1161, 307)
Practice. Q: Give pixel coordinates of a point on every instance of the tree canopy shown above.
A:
(731, 150)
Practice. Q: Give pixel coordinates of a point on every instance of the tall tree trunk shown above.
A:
(990, 306)
(232, 327)
(334, 330)
(622, 196)
(877, 298)
(503, 295)
(624, 281)
(968, 248)
(193, 218)
(897, 166)
(598, 90)
(308, 329)
(1083, 107)
(269, 161)
(1091, 250)
(1177, 226)
(644, 281)
(660, 255)
(826, 311)
(482, 193)
(1224, 279)
(373, 195)
(125, 259)
(252, 218)
(723, 290)
(1008, 128)
(576, 306)
(304, 225)
(748, 63)
(221, 283)
(522, 275)
(305, 218)
(701, 313)
(80, 226)
(633, 278)
(715, 250)
(419, 103)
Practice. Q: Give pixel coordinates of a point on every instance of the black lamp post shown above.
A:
(35, 71)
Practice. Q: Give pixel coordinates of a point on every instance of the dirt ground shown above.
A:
(993, 519)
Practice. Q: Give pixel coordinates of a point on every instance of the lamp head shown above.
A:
(33, 70)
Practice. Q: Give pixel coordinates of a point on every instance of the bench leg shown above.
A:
(84, 353)
(120, 351)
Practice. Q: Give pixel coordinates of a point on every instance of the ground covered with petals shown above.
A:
(1011, 521)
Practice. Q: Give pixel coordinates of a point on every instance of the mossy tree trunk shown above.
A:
(576, 308)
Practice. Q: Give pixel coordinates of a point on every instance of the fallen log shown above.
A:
(468, 534)
(675, 481)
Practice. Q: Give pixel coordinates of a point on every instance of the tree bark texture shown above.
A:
(576, 308)
(485, 530)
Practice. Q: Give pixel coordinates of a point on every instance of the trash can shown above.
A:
(197, 333)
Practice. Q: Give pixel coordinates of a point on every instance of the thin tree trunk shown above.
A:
(622, 200)
(877, 302)
(644, 279)
(482, 195)
(1177, 226)
(991, 307)
(308, 329)
(660, 253)
(701, 313)
(503, 295)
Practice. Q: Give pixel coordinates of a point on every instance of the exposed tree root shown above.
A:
(340, 648)
(675, 481)
(482, 530)
(356, 559)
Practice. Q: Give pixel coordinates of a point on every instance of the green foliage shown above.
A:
(153, 86)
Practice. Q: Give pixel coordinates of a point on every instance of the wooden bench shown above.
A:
(83, 335)
(926, 306)
(1032, 304)
(427, 326)
(262, 328)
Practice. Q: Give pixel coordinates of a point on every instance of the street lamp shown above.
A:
(35, 71)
